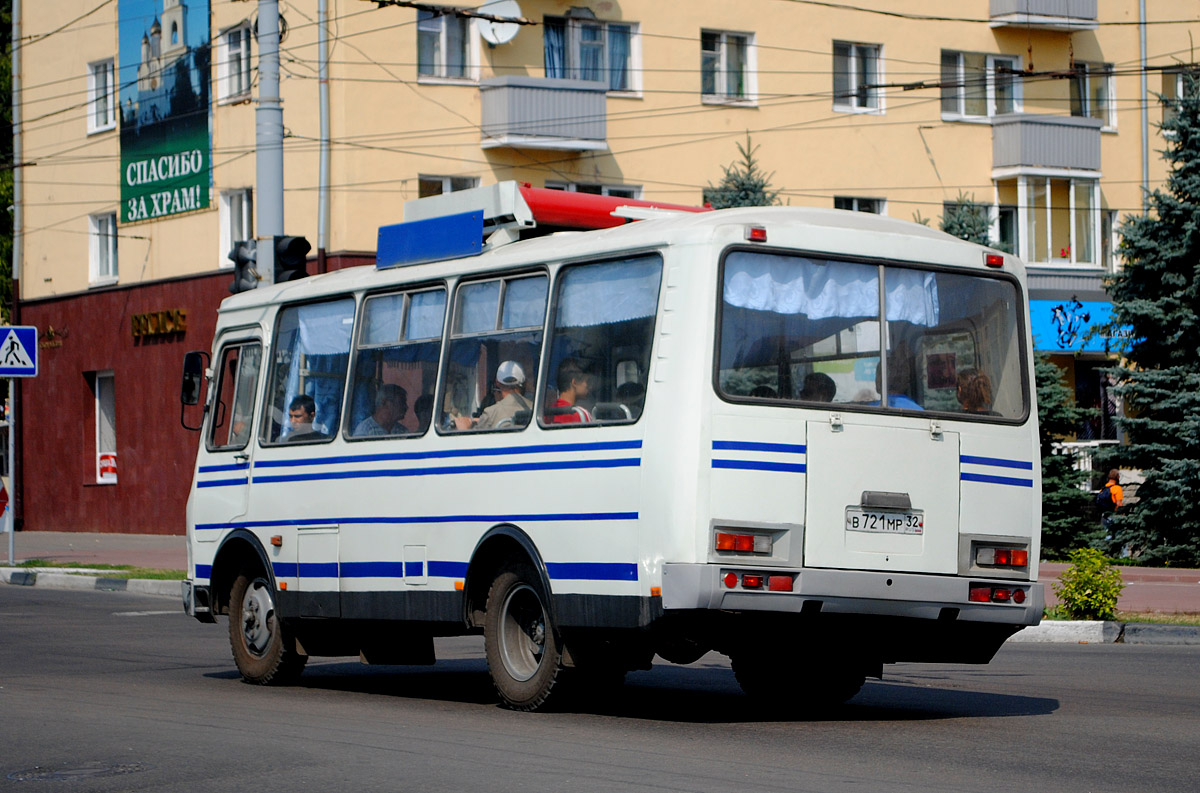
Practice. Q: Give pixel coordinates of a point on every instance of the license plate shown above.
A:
(858, 519)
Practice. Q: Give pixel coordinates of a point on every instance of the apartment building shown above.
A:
(139, 137)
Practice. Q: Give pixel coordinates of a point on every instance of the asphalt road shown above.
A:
(118, 692)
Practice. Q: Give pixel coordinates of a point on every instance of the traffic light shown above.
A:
(290, 253)
(244, 257)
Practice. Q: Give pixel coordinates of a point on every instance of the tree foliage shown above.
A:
(744, 183)
(967, 220)
(1068, 518)
(1156, 296)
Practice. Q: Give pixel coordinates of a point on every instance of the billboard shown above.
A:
(164, 79)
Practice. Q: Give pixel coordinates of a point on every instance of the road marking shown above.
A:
(144, 613)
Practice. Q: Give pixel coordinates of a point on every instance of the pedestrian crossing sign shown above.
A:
(18, 351)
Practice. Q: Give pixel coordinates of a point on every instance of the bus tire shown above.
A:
(261, 651)
(797, 687)
(524, 652)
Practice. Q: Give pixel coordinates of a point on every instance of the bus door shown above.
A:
(225, 458)
(881, 497)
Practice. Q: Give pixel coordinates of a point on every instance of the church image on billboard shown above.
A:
(165, 73)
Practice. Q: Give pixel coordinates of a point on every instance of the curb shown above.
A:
(1107, 632)
(140, 586)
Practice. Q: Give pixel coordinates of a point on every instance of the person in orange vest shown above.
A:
(1109, 498)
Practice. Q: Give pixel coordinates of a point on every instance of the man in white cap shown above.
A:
(510, 382)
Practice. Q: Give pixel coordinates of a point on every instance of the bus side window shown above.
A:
(495, 347)
(308, 372)
(601, 337)
(395, 370)
(233, 408)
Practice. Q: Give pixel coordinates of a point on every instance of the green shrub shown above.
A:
(1089, 589)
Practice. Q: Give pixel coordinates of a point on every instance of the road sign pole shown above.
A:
(8, 508)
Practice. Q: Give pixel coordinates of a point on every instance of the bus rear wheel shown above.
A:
(524, 652)
(256, 634)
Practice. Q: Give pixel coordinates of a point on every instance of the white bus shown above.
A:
(803, 438)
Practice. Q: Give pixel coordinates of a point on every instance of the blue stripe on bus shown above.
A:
(592, 571)
(995, 480)
(492, 519)
(445, 453)
(223, 482)
(759, 465)
(995, 461)
(455, 469)
(786, 448)
(212, 469)
(558, 571)
(204, 571)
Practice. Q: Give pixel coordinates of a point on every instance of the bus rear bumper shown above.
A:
(913, 595)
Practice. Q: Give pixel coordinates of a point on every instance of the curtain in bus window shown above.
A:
(426, 312)
(612, 292)
(477, 304)
(821, 289)
(382, 323)
(525, 303)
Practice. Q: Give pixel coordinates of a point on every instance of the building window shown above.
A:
(1060, 220)
(1091, 92)
(106, 428)
(103, 243)
(233, 64)
(584, 48)
(873, 205)
(437, 185)
(614, 190)
(1006, 234)
(443, 41)
(1175, 86)
(102, 98)
(975, 85)
(856, 75)
(236, 211)
(725, 68)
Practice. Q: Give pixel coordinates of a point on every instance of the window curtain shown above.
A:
(599, 294)
(618, 57)
(554, 44)
(426, 311)
(525, 303)
(820, 289)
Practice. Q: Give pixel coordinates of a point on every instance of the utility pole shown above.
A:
(268, 117)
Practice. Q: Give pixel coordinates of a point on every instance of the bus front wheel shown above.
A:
(256, 634)
(524, 652)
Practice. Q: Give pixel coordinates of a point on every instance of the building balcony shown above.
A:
(1065, 15)
(543, 113)
(1026, 143)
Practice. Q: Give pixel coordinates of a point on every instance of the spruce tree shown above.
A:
(1156, 301)
(744, 184)
(967, 220)
(1068, 521)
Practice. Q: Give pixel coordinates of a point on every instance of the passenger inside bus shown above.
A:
(509, 390)
(975, 392)
(818, 387)
(573, 385)
(391, 406)
(301, 412)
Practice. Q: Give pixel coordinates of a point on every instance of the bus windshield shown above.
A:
(808, 330)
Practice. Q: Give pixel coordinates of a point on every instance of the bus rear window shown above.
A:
(807, 330)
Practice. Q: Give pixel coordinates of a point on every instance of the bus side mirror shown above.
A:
(194, 364)
(193, 374)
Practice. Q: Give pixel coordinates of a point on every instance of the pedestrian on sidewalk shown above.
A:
(1109, 501)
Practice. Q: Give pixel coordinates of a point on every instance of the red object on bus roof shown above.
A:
(586, 210)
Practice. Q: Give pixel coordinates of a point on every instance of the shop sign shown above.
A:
(160, 323)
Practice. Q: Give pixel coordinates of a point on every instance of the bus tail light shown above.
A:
(756, 234)
(779, 583)
(983, 593)
(743, 543)
(1002, 557)
(731, 580)
(993, 260)
(752, 581)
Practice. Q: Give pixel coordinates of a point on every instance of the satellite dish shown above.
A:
(499, 32)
